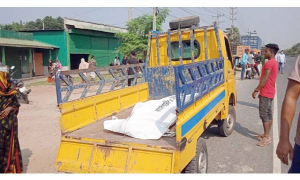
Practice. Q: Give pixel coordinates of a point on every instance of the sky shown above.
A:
(273, 25)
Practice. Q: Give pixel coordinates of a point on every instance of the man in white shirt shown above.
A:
(281, 61)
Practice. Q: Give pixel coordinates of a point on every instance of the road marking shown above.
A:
(276, 161)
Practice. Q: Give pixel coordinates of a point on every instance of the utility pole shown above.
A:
(129, 14)
(43, 25)
(232, 13)
(154, 18)
(218, 17)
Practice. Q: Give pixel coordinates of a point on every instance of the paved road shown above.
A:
(238, 153)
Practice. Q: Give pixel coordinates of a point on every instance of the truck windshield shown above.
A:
(186, 54)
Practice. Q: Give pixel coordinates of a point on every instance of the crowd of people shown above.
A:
(56, 66)
(257, 61)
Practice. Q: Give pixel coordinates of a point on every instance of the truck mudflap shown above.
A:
(86, 156)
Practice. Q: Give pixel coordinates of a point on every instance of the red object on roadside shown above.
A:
(49, 79)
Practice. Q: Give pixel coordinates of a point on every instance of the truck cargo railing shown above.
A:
(117, 77)
(194, 80)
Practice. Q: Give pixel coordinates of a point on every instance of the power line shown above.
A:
(86, 12)
(141, 10)
(218, 17)
(193, 14)
(242, 19)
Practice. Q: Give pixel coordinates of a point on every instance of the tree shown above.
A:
(234, 37)
(49, 23)
(293, 51)
(138, 30)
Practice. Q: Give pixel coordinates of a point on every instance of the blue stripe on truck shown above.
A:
(191, 123)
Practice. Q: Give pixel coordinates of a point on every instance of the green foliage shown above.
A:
(294, 51)
(234, 36)
(49, 22)
(137, 36)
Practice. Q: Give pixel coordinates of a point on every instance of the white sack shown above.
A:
(149, 120)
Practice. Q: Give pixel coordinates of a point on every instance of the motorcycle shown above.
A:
(250, 71)
(22, 92)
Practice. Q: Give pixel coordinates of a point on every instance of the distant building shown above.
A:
(80, 39)
(22, 51)
(253, 41)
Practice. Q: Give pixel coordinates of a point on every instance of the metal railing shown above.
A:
(117, 77)
(194, 80)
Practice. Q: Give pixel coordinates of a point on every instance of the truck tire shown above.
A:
(185, 22)
(199, 163)
(226, 126)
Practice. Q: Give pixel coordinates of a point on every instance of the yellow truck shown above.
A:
(187, 61)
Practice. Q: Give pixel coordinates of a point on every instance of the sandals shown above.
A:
(263, 143)
(260, 136)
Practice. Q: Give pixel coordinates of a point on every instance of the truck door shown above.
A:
(230, 68)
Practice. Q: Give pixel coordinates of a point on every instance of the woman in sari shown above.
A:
(10, 152)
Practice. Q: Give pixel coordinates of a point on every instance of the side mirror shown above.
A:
(13, 67)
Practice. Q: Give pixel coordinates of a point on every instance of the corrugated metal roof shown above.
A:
(25, 43)
(93, 26)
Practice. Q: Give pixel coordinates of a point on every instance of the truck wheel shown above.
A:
(199, 163)
(226, 126)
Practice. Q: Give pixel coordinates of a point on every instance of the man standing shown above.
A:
(258, 60)
(266, 89)
(244, 63)
(132, 60)
(250, 58)
(124, 61)
(92, 64)
(284, 148)
(281, 61)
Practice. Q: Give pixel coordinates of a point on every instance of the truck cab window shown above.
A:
(229, 56)
(186, 55)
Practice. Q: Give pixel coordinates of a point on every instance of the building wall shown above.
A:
(253, 41)
(13, 57)
(57, 38)
(102, 45)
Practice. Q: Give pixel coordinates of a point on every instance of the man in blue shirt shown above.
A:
(244, 63)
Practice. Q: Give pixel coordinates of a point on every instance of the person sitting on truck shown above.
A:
(10, 151)
(266, 89)
(244, 63)
(132, 60)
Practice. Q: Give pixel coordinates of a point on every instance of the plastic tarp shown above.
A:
(148, 120)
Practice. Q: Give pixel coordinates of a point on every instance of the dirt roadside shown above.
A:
(39, 131)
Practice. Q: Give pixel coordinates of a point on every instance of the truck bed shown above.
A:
(97, 131)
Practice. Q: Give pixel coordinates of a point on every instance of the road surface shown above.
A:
(238, 153)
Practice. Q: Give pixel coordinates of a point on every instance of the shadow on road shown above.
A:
(26, 154)
(246, 132)
(211, 131)
(248, 104)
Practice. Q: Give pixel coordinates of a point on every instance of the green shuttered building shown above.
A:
(81, 39)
